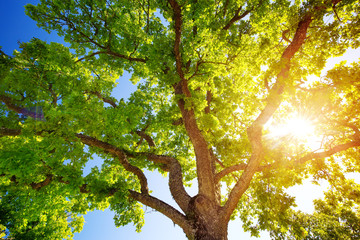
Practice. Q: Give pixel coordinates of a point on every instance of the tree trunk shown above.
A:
(206, 220)
(204, 233)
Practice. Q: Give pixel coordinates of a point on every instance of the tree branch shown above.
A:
(131, 59)
(171, 165)
(163, 208)
(9, 132)
(255, 130)
(49, 179)
(119, 154)
(328, 153)
(147, 138)
(203, 159)
(176, 185)
(208, 100)
(229, 170)
(111, 53)
(178, 25)
(177, 122)
(105, 99)
(236, 17)
(9, 103)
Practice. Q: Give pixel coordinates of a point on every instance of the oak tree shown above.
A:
(214, 79)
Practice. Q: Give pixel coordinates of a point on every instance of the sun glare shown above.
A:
(299, 127)
(296, 128)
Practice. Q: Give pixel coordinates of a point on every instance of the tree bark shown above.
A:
(205, 219)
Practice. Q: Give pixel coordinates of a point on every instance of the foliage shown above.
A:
(213, 77)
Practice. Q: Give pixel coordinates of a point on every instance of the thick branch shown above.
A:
(9, 132)
(119, 154)
(177, 122)
(178, 24)
(208, 100)
(255, 130)
(176, 185)
(203, 159)
(9, 103)
(44, 183)
(170, 164)
(163, 208)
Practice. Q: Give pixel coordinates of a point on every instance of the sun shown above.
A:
(297, 128)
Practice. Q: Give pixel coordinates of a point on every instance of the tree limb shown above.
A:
(228, 170)
(8, 102)
(170, 164)
(208, 100)
(203, 159)
(91, 141)
(163, 208)
(9, 132)
(255, 130)
(131, 59)
(175, 178)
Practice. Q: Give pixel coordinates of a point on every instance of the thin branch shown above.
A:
(147, 138)
(177, 122)
(225, 7)
(328, 153)
(105, 99)
(352, 126)
(89, 56)
(131, 59)
(240, 167)
(229, 170)
(236, 17)
(111, 53)
(47, 181)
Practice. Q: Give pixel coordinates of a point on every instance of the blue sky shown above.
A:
(16, 26)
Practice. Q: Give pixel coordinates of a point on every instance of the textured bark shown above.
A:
(206, 221)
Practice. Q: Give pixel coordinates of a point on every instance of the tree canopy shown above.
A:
(214, 80)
